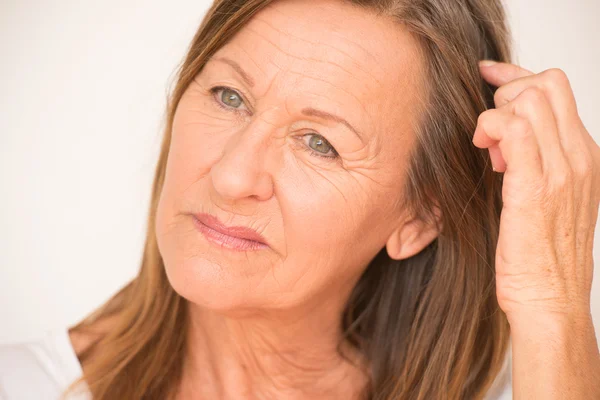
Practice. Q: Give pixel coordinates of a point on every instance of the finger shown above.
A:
(557, 90)
(533, 105)
(516, 140)
(498, 73)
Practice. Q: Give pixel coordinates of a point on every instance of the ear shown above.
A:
(412, 237)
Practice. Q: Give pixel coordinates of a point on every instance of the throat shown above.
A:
(245, 359)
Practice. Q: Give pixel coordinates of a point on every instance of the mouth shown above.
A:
(238, 238)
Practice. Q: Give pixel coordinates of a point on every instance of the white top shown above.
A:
(42, 369)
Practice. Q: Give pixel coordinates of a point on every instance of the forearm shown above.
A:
(555, 358)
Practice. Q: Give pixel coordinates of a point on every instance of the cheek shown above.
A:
(321, 215)
(317, 219)
(337, 222)
(196, 141)
(327, 253)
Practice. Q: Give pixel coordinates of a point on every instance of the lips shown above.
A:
(240, 232)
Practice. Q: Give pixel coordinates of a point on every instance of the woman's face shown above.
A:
(253, 146)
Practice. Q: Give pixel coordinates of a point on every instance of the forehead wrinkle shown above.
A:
(325, 45)
(331, 22)
(249, 56)
(249, 29)
(311, 59)
(344, 69)
(280, 68)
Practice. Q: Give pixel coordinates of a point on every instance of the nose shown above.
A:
(241, 172)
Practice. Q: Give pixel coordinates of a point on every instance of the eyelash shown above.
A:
(216, 89)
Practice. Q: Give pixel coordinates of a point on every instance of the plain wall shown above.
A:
(76, 175)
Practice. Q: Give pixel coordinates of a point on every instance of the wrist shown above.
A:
(560, 350)
(550, 321)
(557, 333)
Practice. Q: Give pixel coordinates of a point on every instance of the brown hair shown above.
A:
(430, 325)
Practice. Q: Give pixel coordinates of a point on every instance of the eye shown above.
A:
(228, 99)
(320, 147)
(317, 145)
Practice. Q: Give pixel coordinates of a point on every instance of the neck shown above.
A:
(291, 354)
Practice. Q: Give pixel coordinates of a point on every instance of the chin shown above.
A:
(208, 285)
(207, 275)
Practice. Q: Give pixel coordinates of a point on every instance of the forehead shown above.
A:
(331, 50)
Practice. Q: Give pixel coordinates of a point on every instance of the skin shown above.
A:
(544, 260)
(265, 324)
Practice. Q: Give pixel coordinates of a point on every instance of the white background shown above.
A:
(82, 99)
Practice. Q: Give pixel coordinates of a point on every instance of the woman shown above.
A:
(325, 221)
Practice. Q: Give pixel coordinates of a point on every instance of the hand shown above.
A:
(551, 193)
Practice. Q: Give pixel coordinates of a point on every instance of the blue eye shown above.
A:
(230, 100)
(320, 147)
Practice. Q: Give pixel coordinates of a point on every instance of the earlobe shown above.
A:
(409, 239)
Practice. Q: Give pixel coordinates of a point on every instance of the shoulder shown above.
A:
(41, 368)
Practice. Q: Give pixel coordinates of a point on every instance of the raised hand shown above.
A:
(551, 193)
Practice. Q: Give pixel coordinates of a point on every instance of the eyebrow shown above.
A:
(237, 68)
(332, 117)
(309, 111)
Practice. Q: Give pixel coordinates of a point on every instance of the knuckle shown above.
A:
(484, 117)
(562, 177)
(500, 97)
(519, 126)
(531, 99)
(534, 95)
(555, 77)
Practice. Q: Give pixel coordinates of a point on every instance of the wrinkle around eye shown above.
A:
(327, 178)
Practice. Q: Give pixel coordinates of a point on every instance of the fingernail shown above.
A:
(487, 63)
